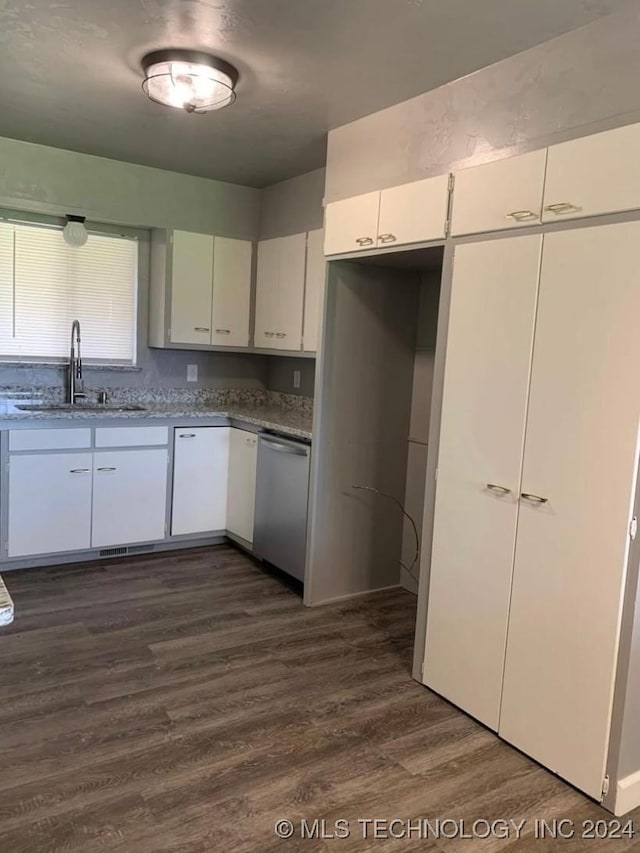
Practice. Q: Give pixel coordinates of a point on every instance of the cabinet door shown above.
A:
(191, 288)
(280, 292)
(231, 292)
(479, 465)
(503, 194)
(200, 480)
(351, 225)
(595, 174)
(314, 291)
(129, 496)
(581, 456)
(243, 458)
(414, 213)
(49, 503)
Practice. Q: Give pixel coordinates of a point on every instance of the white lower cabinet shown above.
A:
(129, 496)
(49, 503)
(537, 472)
(200, 477)
(243, 459)
(489, 346)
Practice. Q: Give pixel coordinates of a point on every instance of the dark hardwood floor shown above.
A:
(187, 701)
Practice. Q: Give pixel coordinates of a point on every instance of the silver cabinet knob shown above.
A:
(499, 490)
(522, 215)
(536, 499)
(562, 207)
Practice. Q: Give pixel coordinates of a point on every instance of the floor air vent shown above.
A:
(132, 549)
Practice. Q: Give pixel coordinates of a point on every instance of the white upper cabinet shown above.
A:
(200, 290)
(280, 292)
(231, 292)
(414, 213)
(314, 290)
(191, 288)
(411, 213)
(503, 194)
(595, 174)
(351, 225)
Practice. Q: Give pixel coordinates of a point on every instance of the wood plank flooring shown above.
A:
(185, 702)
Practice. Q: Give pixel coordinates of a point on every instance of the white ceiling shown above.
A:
(70, 76)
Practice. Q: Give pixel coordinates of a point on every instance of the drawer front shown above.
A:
(131, 436)
(49, 439)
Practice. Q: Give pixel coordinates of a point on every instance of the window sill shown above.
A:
(61, 365)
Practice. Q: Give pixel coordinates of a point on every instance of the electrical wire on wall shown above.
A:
(395, 500)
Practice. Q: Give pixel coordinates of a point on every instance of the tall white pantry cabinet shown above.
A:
(535, 490)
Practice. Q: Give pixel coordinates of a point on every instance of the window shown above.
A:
(46, 284)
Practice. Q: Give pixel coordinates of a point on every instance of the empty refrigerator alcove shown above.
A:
(372, 427)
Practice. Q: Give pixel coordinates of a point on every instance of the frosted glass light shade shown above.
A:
(190, 81)
(75, 234)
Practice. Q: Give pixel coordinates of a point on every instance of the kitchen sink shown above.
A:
(79, 407)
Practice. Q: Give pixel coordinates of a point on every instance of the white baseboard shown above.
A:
(627, 794)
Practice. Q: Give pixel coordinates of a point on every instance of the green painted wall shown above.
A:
(49, 180)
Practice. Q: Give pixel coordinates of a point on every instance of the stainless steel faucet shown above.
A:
(75, 387)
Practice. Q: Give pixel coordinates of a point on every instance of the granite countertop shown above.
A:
(287, 421)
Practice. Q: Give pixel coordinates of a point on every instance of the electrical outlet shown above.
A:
(296, 378)
(192, 373)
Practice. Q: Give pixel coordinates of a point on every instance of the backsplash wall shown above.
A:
(280, 372)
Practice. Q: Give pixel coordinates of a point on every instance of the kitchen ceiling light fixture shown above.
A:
(74, 232)
(189, 80)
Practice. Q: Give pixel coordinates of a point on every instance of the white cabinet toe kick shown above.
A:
(74, 493)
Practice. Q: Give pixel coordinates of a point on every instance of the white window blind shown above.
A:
(45, 284)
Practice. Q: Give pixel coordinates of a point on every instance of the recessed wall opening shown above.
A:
(374, 395)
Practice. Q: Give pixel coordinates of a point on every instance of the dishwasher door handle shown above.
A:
(285, 448)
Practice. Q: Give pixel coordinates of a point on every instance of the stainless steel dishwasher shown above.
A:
(282, 497)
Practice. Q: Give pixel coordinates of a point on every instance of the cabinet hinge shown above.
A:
(633, 528)
(606, 784)
(447, 226)
(452, 181)
(436, 476)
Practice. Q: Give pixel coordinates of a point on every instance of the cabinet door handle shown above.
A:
(387, 238)
(223, 331)
(536, 499)
(364, 241)
(562, 207)
(107, 469)
(200, 329)
(268, 334)
(187, 435)
(522, 215)
(499, 490)
(79, 470)
(281, 334)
